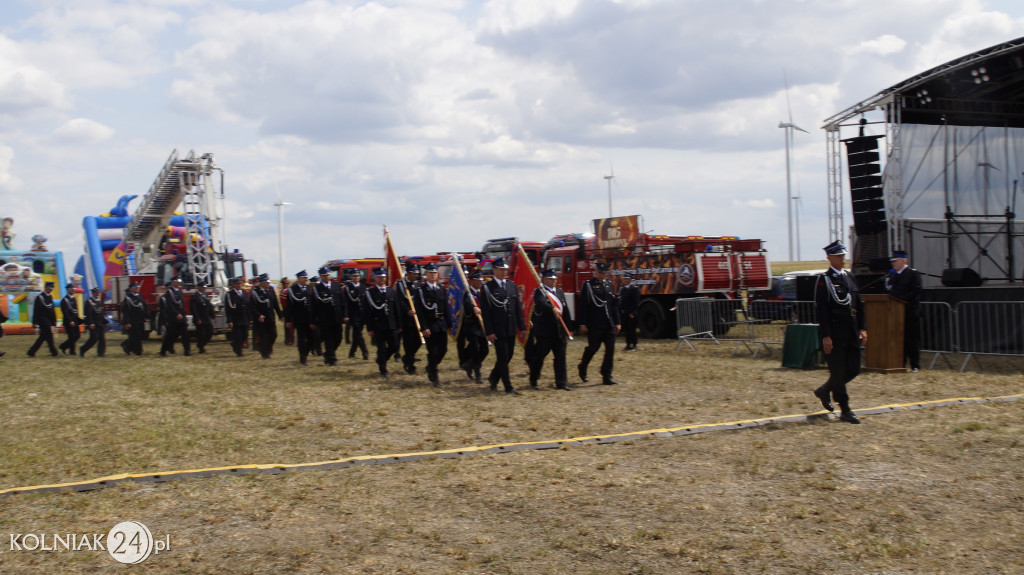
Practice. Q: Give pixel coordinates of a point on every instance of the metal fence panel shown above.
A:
(693, 320)
(938, 327)
(990, 327)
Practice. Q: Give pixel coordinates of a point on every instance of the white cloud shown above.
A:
(8, 183)
(883, 45)
(765, 203)
(83, 131)
(24, 86)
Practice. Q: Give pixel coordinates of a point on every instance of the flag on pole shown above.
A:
(525, 277)
(457, 286)
(391, 262)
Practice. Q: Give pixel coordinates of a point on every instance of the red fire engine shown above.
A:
(665, 268)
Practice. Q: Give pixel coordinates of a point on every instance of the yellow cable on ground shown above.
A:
(273, 468)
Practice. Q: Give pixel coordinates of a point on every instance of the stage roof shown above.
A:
(985, 88)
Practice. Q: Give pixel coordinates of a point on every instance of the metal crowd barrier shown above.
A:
(972, 328)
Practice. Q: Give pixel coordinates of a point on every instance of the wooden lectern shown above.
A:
(883, 317)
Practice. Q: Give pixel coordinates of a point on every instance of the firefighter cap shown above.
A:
(898, 254)
(835, 248)
(601, 266)
(549, 273)
(500, 263)
(430, 267)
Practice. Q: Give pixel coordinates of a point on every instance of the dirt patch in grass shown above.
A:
(926, 491)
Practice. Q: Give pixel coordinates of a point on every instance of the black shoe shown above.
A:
(533, 384)
(511, 391)
(54, 354)
(352, 355)
(30, 354)
(849, 417)
(582, 370)
(163, 354)
(823, 397)
(476, 376)
(469, 373)
(563, 387)
(81, 353)
(188, 354)
(366, 356)
(64, 350)
(303, 362)
(609, 381)
(3, 353)
(202, 351)
(384, 375)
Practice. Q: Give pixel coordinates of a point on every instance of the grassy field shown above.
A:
(779, 268)
(935, 490)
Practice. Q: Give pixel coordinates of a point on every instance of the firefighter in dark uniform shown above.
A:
(472, 342)
(629, 300)
(380, 316)
(315, 339)
(330, 313)
(236, 308)
(282, 297)
(431, 301)
(904, 282)
(133, 317)
(841, 329)
(299, 314)
(71, 320)
(44, 318)
(96, 322)
(172, 310)
(202, 316)
(599, 321)
(265, 312)
(354, 292)
(410, 335)
(551, 319)
(503, 320)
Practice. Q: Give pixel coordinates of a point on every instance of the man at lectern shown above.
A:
(904, 282)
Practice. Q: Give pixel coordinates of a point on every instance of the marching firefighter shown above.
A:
(133, 317)
(431, 301)
(265, 311)
(72, 321)
(503, 320)
(599, 321)
(629, 299)
(45, 320)
(380, 316)
(841, 329)
(202, 316)
(410, 335)
(354, 292)
(299, 314)
(96, 323)
(551, 320)
(472, 342)
(236, 308)
(172, 310)
(329, 311)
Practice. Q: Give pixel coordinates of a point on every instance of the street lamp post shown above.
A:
(280, 234)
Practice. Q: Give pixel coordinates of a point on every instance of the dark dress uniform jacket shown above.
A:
(501, 308)
(353, 302)
(133, 309)
(545, 324)
(94, 313)
(202, 308)
(629, 298)
(599, 308)
(431, 307)
(836, 319)
(69, 309)
(264, 302)
(172, 304)
(300, 305)
(471, 299)
(906, 285)
(236, 307)
(43, 314)
(329, 306)
(380, 309)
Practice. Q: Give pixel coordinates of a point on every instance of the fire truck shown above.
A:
(341, 269)
(502, 248)
(154, 252)
(665, 268)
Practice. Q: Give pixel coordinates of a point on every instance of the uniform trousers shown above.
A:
(410, 345)
(172, 332)
(437, 348)
(330, 335)
(303, 339)
(629, 329)
(239, 336)
(45, 336)
(843, 366)
(73, 334)
(204, 333)
(912, 340)
(266, 331)
(595, 339)
(556, 346)
(504, 347)
(387, 346)
(98, 338)
(134, 342)
(355, 331)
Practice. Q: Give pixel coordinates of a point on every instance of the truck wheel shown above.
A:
(650, 319)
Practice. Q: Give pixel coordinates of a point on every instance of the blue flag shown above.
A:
(457, 288)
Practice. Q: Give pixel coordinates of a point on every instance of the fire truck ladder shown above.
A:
(194, 176)
(152, 215)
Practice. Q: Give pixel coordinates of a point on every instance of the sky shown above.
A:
(452, 121)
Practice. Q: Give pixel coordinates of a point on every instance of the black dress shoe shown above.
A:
(563, 387)
(366, 356)
(511, 391)
(384, 375)
(3, 353)
(30, 354)
(823, 397)
(582, 370)
(533, 385)
(849, 417)
(609, 382)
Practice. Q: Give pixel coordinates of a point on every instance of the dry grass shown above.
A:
(935, 490)
(779, 268)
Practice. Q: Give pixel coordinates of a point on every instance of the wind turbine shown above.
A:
(789, 127)
(610, 178)
(280, 229)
